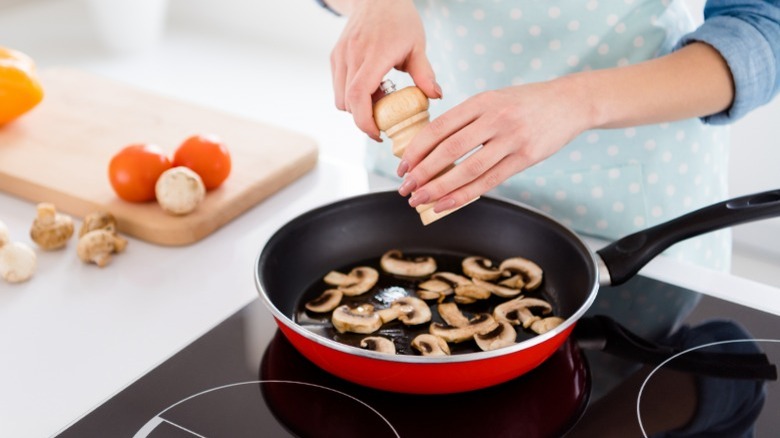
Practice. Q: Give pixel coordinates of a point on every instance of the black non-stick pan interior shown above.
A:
(366, 226)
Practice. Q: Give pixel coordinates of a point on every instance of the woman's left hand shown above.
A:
(516, 127)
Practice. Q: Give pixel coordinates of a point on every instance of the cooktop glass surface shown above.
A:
(244, 379)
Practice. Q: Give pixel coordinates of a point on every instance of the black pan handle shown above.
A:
(603, 333)
(625, 257)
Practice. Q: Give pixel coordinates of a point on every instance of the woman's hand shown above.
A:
(516, 126)
(379, 35)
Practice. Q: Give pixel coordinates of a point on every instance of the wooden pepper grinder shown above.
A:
(401, 115)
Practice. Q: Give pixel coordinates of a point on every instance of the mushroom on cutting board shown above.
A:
(51, 230)
(430, 345)
(394, 262)
(17, 262)
(179, 190)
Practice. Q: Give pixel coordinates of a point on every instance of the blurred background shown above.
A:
(223, 48)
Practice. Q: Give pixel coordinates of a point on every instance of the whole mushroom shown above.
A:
(97, 246)
(98, 220)
(179, 190)
(17, 262)
(4, 235)
(51, 230)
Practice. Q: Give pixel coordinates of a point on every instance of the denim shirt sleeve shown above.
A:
(747, 35)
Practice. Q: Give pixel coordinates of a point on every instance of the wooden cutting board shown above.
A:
(59, 153)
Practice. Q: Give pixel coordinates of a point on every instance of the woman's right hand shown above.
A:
(379, 35)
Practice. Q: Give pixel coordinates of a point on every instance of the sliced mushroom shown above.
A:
(378, 343)
(434, 289)
(453, 279)
(531, 272)
(480, 268)
(430, 345)
(502, 336)
(480, 324)
(514, 282)
(452, 315)
(360, 319)
(359, 280)
(546, 324)
(326, 302)
(497, 289)
(517, 311)
(472, 291)
(409, 310)
(394, 262)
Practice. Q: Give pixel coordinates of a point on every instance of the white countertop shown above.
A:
(75, 334)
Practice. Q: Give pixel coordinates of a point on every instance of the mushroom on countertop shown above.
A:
(17, 262)
(394, 262)
(531, 272)
(409, 310)
(378, 343)
(359, 280)
(51, 230)
(179, 190)
(480, 324)
(98, 220)
(502, 336)
(98, 245)
(329, 300)
(430, 345)
(360, 319)
(480, 268)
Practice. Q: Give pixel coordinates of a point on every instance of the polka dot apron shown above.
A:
(605, 183)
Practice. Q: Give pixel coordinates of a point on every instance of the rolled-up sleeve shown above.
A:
(747, 35)
(326, 6)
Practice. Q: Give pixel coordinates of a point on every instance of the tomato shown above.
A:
(207, 156)
(134, 171)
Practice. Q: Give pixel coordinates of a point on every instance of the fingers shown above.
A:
(479, 186)
(419, 68)
(358, 95)
(338, 74)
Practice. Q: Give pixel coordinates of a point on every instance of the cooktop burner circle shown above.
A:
(211, 413)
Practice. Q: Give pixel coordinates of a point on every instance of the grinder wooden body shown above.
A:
(401, 115)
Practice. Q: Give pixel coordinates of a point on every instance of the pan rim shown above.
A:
(427, 360)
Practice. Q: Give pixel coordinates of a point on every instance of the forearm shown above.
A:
(694, 81)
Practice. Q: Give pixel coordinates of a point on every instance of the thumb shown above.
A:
(419, 68)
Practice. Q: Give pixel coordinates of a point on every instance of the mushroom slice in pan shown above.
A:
(394, 262)
(497, 289)
(472, 291)
(359, 280)
(378, 343)
(434, 289)
(453, 279)
(409, 310)
(531, 272)
(518, 311)
(452, 315)
(544, 325)
(480, 324)
(514, 282)
(430, 345)
(480, 268)
(502, 336)
(326, 302)
(360, 319)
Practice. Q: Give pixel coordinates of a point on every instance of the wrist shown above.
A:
(584, 100)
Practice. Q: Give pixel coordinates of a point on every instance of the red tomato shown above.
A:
(207, 156)
(134, 170)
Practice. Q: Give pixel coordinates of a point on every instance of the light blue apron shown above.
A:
(605, 183)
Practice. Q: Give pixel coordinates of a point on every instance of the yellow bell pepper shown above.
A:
(20, 90)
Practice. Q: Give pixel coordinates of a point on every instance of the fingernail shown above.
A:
(437, 88)
(443, 205)
(419, 197)
(407, 186)
(402, 168)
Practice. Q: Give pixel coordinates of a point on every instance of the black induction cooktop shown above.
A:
(243, 379)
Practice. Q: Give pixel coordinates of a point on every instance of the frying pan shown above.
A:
(301, 252)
